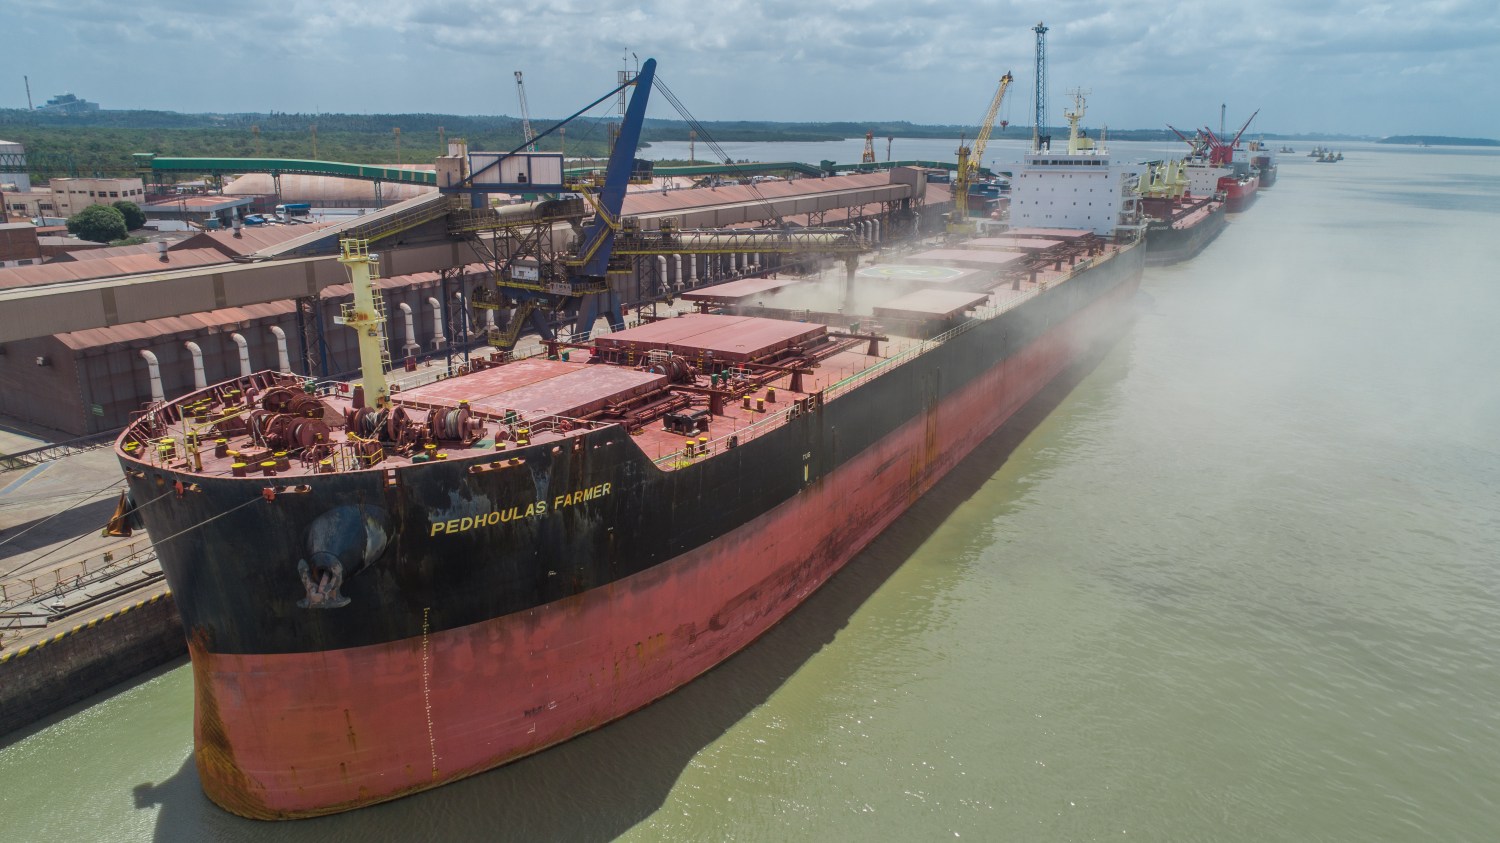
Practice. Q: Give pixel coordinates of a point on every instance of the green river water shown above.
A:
(1239, 584)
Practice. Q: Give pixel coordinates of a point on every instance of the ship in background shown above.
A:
(1179, 222)
(1218, 166)
(386, 589)
(1263, 159)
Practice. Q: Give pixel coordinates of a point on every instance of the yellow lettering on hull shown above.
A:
(533, 509)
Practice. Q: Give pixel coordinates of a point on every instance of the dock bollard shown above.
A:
(771, 394)
(760, 405)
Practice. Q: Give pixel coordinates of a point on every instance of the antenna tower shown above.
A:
(1039, 138)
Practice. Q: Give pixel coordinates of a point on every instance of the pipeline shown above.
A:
(200, 381)
(437, 321)
(411, 346)
(239, 340)
(153, 369)
(283, 360)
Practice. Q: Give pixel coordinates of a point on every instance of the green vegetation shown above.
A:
(102, 142)
(99, 223)
(134, 216)
(128, 241)
(1438, 140)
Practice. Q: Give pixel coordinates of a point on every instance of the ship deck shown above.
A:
(536, 400)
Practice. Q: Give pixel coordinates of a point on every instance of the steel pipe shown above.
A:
(153, 370)
(239, 340)
(200, 381)
(283, 359)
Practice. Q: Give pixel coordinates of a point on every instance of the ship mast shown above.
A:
(1076, 142)
(365, 315)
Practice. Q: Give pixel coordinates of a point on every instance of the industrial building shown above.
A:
(200, 211)
(69, 196)
(147, 326)
(18, 244)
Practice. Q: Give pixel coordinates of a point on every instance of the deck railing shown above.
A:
(682, 457)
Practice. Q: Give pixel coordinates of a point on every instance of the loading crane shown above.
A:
(1204, 143)
(526, 131)
(869, 155)
(540, 278)
(969, 163)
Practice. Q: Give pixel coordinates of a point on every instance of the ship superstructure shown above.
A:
(1085, 187)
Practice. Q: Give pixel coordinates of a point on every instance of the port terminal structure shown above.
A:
(91, 352)
(156, 167)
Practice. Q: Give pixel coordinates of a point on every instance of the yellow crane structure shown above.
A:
(968, 162)
(869, 155)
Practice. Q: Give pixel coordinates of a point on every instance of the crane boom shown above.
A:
(528, 135)
(968, 160)
(1236, 141)
(989, 124)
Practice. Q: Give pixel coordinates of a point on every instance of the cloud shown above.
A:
(1340, 66)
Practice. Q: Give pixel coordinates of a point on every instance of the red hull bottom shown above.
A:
(284, 736)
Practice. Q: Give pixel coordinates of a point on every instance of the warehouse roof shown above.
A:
(83, 270)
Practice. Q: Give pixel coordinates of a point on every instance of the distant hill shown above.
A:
(1438, 140)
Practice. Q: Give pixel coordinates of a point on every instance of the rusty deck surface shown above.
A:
(1000, 244)
(480, 386)
(929, 303)
(737, 291)
(965, 257)
(727, 338)
(1047, 233)
(578, 393)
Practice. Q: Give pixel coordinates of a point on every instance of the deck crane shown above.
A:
(969, 163)
(1220, 152)
(527, 134)
(869, 155)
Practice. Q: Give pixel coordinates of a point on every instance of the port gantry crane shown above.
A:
(552, 259)
(969, 163)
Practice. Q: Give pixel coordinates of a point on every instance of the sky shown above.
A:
(1421, 67)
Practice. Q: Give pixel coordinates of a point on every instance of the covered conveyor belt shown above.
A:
(282, 166)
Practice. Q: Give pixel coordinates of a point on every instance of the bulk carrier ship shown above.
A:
(1179, 223)
(385, 590)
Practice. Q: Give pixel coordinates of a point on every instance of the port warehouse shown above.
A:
(84, 349)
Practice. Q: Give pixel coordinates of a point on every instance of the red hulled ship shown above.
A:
(387, 587)
(1179, 224)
